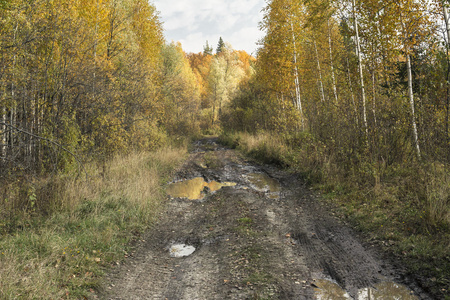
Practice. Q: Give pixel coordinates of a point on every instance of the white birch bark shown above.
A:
(322, 92)
(297, 81)
(13, 111)
(410, 85)
(361, 75)
(411, 103)
(446, 17)
(333, 77)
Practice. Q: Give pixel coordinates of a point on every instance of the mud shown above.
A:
(267, 237)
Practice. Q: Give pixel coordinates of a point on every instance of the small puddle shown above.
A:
(263, 183)
(330, 290)
(193, 189)
(386, 290)
(181, 250)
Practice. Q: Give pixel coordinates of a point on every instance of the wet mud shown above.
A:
(233, 229)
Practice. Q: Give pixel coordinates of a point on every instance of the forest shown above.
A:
(354, 95)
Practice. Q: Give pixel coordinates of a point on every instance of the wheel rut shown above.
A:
(266, 236)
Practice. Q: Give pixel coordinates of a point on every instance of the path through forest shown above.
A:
(258, 233)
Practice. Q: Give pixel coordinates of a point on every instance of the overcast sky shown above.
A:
(194, 22)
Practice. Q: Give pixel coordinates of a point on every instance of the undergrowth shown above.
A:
(403, 207)
(59, 235)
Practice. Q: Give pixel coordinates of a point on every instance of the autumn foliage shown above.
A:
(354, 96)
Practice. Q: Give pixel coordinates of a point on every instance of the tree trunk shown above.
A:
(361, 74)
(3, 153)
(95, 53)
(3, 112)
(447, 25)
(333, 77)
(350, 84)
(297, 81)
(214, 106)
(374, 96)
(112, 19)
(411, 103)
(322, 92)
(13, 108)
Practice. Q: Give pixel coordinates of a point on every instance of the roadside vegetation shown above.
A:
(96, 111)
(355, 97)
(70, 231)
(404, 208)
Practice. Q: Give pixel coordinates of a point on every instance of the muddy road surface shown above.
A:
(233, 229)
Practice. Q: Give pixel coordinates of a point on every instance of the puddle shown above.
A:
(263, 183)
(181, 250)
(386, 291)
(193, 189)
(330, 290)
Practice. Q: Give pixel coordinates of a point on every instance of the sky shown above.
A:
(194, 22)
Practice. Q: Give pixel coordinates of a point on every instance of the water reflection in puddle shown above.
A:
(193, 189)
(181, 250)
(330, 290)
(263, 183)
(386, 291)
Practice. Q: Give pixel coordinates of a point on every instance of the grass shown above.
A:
(212, 161)
(404, 207)
(71, 231)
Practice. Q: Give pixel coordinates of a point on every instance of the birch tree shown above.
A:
(360, 68)
(414, 26)
(280, 56)
(445, 5)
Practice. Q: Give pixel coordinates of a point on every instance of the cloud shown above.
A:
(246, 38)
(193, 22)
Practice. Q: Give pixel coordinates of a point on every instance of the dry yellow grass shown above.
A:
(63, 254)
(135, 177)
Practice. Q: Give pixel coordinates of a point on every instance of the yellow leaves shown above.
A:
(147, 28)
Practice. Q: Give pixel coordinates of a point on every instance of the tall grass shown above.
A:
(58, 235)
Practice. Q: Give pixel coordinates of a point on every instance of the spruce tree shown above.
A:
(220, 46)
(207, 49)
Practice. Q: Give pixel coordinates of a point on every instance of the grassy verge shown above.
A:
(59, 235)
(403, 207)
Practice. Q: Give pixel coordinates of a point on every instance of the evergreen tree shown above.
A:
(220, 46)
(207, 49)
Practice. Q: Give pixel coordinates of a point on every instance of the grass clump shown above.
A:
(59, 247)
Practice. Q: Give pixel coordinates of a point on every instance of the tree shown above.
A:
(445, 5)
(225, 75)
(220, 46)
(80, 74)
(360, 68)
(207, 49)
(181, 93)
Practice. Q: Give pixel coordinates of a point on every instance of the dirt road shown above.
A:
(239, 230)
